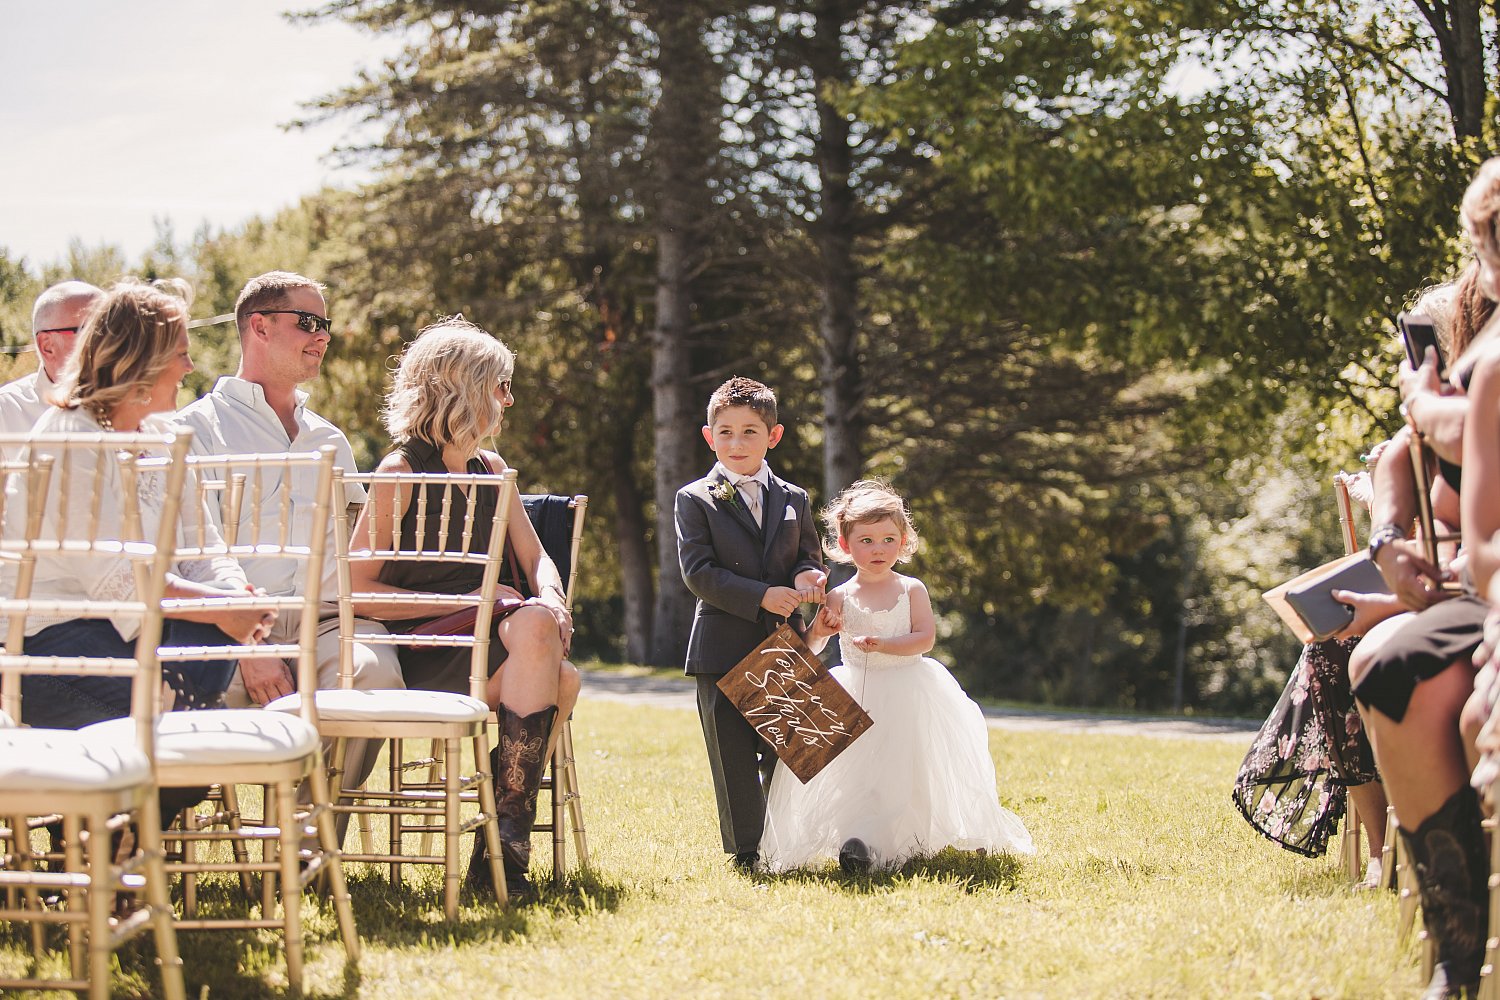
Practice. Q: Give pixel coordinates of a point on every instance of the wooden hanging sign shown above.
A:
(785, 692)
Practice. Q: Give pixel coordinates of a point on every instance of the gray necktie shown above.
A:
(750, 489)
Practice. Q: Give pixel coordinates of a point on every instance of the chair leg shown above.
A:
(25, 861)
(101, 901)
(159, 900)
(558, 788)
(1349, 843)
(291, 882)
(188, 819)
(393, 838)
(1390, 854)
(231, 797)
(435, 752)
(78, 899)
(333, 862)
(270, 806)
(454, 760)
(574, 797)
(491, 828)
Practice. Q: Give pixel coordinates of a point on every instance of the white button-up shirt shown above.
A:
(22, 404)
(234, 419)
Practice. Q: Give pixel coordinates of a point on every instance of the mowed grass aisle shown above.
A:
(1147, 884)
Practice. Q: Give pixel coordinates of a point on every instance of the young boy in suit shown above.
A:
(749, 551)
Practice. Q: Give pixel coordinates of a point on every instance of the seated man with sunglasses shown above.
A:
(55, 319)
(284, 333)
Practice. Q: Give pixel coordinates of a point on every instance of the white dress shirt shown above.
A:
(755, 502)
(236, 419)
(22, 404)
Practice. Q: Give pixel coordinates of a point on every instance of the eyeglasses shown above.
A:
(307, 322)
(504, 387)
(60, 329)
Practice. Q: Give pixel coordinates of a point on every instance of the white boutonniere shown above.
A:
(724, 492)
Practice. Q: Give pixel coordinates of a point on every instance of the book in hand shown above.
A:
(1306, 603)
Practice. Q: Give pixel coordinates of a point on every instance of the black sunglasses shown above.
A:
(307, 322)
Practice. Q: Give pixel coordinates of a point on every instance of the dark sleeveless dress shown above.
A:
(442, 668)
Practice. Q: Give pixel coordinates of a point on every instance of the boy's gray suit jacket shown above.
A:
(729, 564)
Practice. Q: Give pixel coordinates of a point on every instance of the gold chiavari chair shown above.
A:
(559, 524)
(403, 716)
(275, 750)
(100, 788)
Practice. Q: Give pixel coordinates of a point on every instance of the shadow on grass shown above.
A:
(414, 914)
(251, 963)
(970, 872)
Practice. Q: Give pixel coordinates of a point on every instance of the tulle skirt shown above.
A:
(918, 780)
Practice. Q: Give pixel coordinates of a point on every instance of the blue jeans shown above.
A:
(72, 702)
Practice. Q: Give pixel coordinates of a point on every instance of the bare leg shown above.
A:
(1369, 801)
(1421, 758)
(529, 679)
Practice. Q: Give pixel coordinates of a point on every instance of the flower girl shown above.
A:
(921, 778)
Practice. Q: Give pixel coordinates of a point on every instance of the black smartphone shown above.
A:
(1418, 334)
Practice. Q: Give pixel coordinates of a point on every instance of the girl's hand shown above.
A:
(1423, 379)
(868, 643)
(829, 621)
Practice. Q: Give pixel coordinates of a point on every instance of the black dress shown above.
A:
(1291, 785)
(442, 668)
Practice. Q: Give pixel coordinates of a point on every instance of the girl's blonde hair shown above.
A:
(444, 391)
(1480, 210)
(127, 339)
(866, 502)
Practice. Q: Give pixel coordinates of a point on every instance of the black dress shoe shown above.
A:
(746, 861)
(854, 857)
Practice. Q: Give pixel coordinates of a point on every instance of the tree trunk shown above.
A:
(1456, 25)
(635, 553)
(838, 275)
(683, 142)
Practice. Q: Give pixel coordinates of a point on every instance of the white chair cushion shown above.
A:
(36, 760)
(389, 706)
(222, 736)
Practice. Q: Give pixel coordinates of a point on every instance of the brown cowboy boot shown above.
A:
(1448, 853)
(518, 763)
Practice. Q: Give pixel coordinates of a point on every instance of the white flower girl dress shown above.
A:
(919, 779)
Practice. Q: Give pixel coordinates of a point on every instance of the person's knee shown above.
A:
(569, 684)
(533, 628)
(377, 668)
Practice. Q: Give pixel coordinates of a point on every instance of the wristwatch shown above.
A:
(1383, 536)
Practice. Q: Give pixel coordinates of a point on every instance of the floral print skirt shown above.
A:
(1313, 745)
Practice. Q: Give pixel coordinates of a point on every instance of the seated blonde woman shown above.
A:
(451, 392)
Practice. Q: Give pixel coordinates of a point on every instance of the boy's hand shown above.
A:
(781, 601)
(811, 583)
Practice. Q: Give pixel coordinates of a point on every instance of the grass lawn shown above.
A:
(1147, 884)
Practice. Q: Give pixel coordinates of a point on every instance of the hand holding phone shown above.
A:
(1417, 334)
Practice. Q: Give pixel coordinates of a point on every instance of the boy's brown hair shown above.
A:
(741, 391)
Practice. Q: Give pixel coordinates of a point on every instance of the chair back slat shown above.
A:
(430, 498)
(53, 522)
(253, 494)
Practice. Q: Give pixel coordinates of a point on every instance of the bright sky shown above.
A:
(115, 114)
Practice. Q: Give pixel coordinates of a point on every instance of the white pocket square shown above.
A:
(789, 515)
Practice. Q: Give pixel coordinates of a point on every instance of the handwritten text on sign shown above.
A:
(796, 706)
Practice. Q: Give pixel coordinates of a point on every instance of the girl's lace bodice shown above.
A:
(858, 620)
